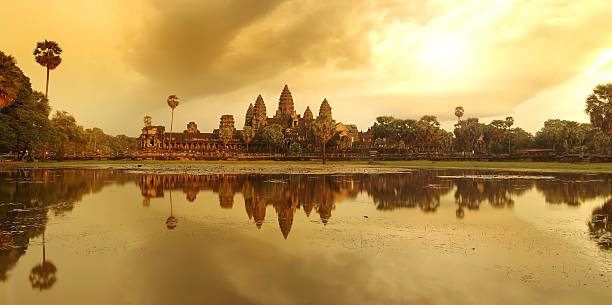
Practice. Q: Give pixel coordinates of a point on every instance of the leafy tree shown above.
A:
(494, 135)
(521, 139)
(551, 134)
(247, 135)
(25, 125)
(273, 135)
(429, 125)
(11, 80)
(467, 133)
(599, 107)
(69, 136)
(226, 134)
(600, 140)
(173, 102)
(444, 139)
(568, 135)
(324, 128)
(295, 148)
(47, 54)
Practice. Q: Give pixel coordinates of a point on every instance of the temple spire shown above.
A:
(308, 113)
(259, 113)
(248, 119)
(325, 108)
(285, 103)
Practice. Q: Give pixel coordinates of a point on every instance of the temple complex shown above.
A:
(296, 129)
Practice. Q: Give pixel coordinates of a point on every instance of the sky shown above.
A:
(530, 59)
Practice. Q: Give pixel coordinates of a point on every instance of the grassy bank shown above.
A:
(521, 166)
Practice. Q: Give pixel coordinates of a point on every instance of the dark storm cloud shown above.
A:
(207, 47)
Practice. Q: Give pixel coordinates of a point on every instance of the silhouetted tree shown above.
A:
(324, 128)
(599, 107)
(47, 54)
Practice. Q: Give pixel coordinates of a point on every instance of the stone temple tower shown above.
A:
(259, 113)
(308, 114)
(285, 114)
(325, 109)
(248, 119)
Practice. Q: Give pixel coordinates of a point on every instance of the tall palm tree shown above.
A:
(11, 80)
(173, 102)
(47, 54)
(459, 112)
(509, 123)
(247, 135)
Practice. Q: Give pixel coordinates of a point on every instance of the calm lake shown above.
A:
(85, 236)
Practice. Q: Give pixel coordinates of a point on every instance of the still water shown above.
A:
(80, 236)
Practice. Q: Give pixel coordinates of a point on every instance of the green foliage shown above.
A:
(600, 140)
(99, 143)
(295, 148)
(273, 136)
(599, 108)
(69, 137)
(324, 128)
(12, 80)
(413, 134)
(24, 125)
(379, 143)
(467, 132)
(226, 134)
(247, 133)
(564, 135)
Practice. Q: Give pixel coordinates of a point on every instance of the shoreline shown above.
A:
(314, 166)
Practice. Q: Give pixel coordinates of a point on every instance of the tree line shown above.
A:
(27, 128)
(499, 136)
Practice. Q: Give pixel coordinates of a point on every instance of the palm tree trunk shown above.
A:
(323, 152)
(171, 123)
(44, 254)
(47, 87)
(171, 203)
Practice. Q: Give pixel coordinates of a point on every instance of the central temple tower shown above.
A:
(285, 114)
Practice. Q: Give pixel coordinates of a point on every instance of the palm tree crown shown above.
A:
(47, 54)
(459, 112)
(173, 101)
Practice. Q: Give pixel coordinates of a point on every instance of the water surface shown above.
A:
(82, 236)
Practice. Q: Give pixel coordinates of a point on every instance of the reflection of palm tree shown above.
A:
(42, 276)
(600, 225)
(460, 213)
(171, 222)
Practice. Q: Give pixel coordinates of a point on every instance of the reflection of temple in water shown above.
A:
(286, 193)
(422, 189)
